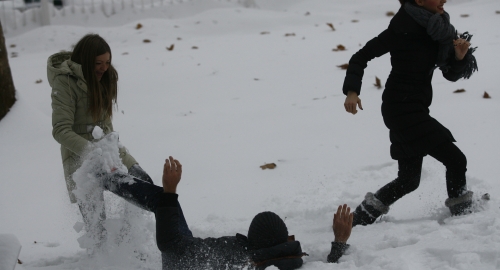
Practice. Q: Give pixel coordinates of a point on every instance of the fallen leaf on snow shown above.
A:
(13, 54)
(268, 166)
(459, 91)
(179, 38)
(125, 53)
(486, 95)
(464, 15)
(146, 41)
(354, 21)
(39, 81)
(171, 48)
(389, 14)
(194, 48)
(19, 261)
(344, 66)
(378, 84)
(12, 45)
(331, 26)
(289, 34)
(138, 26)
(307, 13)
(265, 33)
(340, 47)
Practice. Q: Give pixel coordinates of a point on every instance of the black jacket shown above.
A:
(408, 90)
(230, 252)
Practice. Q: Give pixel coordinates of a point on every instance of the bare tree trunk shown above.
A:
(7, 90)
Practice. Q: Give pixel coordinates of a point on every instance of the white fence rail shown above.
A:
(16, 19)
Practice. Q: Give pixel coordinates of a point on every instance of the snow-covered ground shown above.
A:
(249, 95)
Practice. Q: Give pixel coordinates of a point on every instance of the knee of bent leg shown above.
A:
(457, 163)
(413, 182)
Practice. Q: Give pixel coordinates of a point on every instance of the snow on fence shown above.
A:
(16, 18)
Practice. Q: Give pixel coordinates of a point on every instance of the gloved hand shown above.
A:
(136, 171)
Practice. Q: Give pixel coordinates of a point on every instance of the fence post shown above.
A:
(14, 15)
(44, 13)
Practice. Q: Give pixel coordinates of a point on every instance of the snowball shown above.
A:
(97, 133)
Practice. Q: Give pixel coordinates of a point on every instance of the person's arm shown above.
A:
(63, 117)
(376, 47)
(167, 213)
(342, 227)
(167, 222)
(189, 252)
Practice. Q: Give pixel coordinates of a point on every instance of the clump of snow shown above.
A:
(125, 230)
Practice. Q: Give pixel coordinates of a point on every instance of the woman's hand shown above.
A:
(351, 102)
(461, 48)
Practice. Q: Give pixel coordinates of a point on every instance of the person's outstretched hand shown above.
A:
(342, 223)
(172, 171)
(352, 101)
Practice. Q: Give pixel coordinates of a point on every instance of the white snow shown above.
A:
(9, 251)
(243, 99)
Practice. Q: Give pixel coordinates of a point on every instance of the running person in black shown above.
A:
(420, 39)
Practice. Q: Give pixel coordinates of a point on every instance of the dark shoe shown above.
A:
(461, 205)
(369, 210)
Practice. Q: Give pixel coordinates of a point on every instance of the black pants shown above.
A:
(410, 171)
(141, 193)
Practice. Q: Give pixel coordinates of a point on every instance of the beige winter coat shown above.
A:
(72, 125)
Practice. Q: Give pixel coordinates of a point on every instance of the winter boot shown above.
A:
(369, 210)
(460, 205)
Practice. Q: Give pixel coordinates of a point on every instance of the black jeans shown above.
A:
(410, 171)
(141, 193)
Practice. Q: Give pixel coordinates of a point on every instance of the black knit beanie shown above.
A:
(267, 230)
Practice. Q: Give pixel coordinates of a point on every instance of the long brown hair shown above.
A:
(101, 94)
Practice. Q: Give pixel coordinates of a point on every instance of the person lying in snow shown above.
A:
(266, 244)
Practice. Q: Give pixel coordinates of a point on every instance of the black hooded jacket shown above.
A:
(408, 90)
(229, 252)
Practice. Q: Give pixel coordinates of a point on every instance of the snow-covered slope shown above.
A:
(246, 96)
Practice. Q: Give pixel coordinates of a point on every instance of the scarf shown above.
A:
(440, 29)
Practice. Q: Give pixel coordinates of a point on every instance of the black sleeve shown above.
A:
(376, 47)
(456, 68)
(167, 221)
(337, 251)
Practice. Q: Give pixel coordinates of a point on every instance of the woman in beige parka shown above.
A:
(84, 90)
